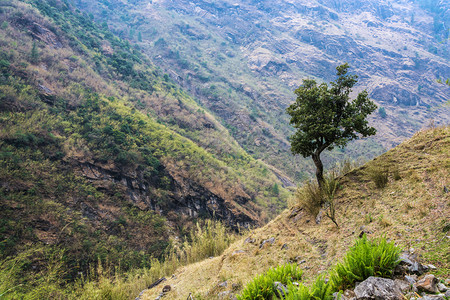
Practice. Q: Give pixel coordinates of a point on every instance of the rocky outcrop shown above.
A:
(186, 198)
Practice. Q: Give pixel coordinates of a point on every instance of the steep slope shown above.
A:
(243, 59)
(103, 157)
(413, 211)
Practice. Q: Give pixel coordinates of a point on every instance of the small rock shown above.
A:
(166, 289)
(410, 279)
(281, 289)
(378, 288)
(431, 267)
(268, 241)
(445, 189)
(319, 217)
(302, 261)
(249, 240)
(223, 284)
(237, 252)
(417, 268)
(441, 287)
(447, 281)
(447, 294)
(428, 284)
(405, 259)
(404, 286)
(223, 295)
(432, 297)
(285, 246)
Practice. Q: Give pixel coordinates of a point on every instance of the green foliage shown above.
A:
(319, 290)
(324, 117)
(34, 55)
(366, 258)
(313, 197)
(379, 175)
(262, 286)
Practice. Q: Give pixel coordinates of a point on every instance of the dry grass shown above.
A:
(413, 211)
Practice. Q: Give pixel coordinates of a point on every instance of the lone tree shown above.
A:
(325, 117)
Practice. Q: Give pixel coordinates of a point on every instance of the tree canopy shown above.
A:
(325, 117)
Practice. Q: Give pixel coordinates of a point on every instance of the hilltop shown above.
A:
(413, 210)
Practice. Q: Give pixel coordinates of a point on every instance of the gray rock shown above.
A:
(417, 268)
(237, 252)
(410, 279)
(281, 289)
(375, 288)
(432, 297)
(249, 240)
(432, 267)
(285, 246)
(404, 286)
(223, 284)
(442, 288)
(428, 284)
(447, 294)
(405, 259)
(268, 241)
(224, 295)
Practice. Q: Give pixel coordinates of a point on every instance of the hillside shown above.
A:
(413, 211)
(103, 157)
(243, 59)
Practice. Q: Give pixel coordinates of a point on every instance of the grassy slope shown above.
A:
(115, 111)
(414, 211)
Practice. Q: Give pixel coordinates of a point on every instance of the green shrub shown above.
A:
(262, 286)
(320, 290)
(365, 259)
(313, 198)
(380, 176)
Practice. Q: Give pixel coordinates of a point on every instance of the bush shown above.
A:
(380, 176)
(365, 259)
(312, 198)
(262, 286)
(320, 290)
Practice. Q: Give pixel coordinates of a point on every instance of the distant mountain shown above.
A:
(243, 59)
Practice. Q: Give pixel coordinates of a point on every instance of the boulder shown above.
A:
(375, 288)
(428, 284)
(442, 288)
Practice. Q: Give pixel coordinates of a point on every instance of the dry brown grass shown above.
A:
(413, 211)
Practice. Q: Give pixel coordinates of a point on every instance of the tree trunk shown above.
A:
(319, 168)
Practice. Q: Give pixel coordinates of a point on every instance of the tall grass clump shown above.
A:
(380, 176)
(208, 239)
(366, 258)
(262, 286)
(320, 290)
(205, 241)
(313, 198)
